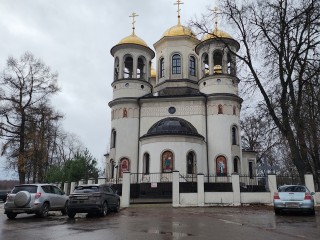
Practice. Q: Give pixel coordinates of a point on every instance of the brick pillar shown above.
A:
(65, 188)
(72, 186)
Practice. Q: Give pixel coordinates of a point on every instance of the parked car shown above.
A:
(35, 199)
(93, 199)
(293, 198)
(3, 194)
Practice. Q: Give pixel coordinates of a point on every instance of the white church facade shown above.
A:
(182, 116)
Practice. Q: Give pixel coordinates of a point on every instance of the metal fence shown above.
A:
(150, 178)
(252, 183)
(217, 179)
(288, 180)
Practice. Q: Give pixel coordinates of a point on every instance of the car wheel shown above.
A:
(11, 215)
(65, 209)
(277, 211)
(104, 209)
(44, 212)
(71, 214)
(313, 212)
(117, 208)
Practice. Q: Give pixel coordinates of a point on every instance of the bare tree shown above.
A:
(25, 84)
(280, 48)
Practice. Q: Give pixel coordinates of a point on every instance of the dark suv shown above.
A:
(93, 198)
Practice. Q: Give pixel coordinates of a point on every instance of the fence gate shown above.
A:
(151, 188)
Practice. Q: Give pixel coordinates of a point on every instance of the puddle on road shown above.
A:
(174, 234)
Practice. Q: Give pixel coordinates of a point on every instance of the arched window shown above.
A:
(234, 110)
(113, 138)
(116, 68)
(124, 165)
(167, 161)
(217, 62)
(140, 69)
(192, 66)
(221, 166)
(236, 165)
(125, 113)
(112, 165)
(220, 109)
(205, 65)
(161, 67)
(234, 134)
(146, 163)
(128, 67)
(176, 64)
(191, 163)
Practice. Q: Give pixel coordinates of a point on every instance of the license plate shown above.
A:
(17, 211)
(82, 198)
(292, 205)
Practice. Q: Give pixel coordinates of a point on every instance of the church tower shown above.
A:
(218, 81)
(132, 72)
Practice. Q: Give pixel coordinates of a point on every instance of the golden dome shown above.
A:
(153, 72)
(133, 39)
(178, 30)
(216, 34)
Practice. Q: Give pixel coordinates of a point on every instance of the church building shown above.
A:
(182, 116)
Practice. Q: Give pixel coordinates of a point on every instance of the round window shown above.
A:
(172, 110)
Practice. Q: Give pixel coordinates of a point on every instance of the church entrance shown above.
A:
(151, 188)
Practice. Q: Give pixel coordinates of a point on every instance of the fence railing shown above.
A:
(217, 179)
(287, 180)
(252, 183)
(150, 178)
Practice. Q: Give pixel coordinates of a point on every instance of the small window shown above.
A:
(146, 163)
(236, 165)
(128, 67)
(113, 138)
(220, 109)
(234, 135)
(251, 170)
(191, 163)
(161, 67)
(176, 64)
(192, 66)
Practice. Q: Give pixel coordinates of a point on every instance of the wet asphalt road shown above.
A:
(164, 222)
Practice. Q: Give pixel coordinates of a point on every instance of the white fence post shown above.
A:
(236, 189)
(102, 180)
(65, 187)
(125, 198)
(272, 184)
(72, 186)
(175, 189)
(200, 186)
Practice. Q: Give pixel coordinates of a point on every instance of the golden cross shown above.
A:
(178, 3)
(133, 21)
(216, 12)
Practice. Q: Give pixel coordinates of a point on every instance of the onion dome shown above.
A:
(178, 30)
(172, 126)
(133, 39)
(216, 34)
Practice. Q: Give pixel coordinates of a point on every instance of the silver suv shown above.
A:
(35, 198)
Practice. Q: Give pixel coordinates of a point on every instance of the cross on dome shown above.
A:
(133, 21)
(216, 12)
(178, 3)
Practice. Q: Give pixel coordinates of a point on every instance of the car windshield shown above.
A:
(28, 188)
(292, 189)
(84, 189)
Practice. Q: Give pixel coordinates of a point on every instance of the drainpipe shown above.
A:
(207, 149)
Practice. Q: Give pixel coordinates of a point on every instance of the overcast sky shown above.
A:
(74, 38)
